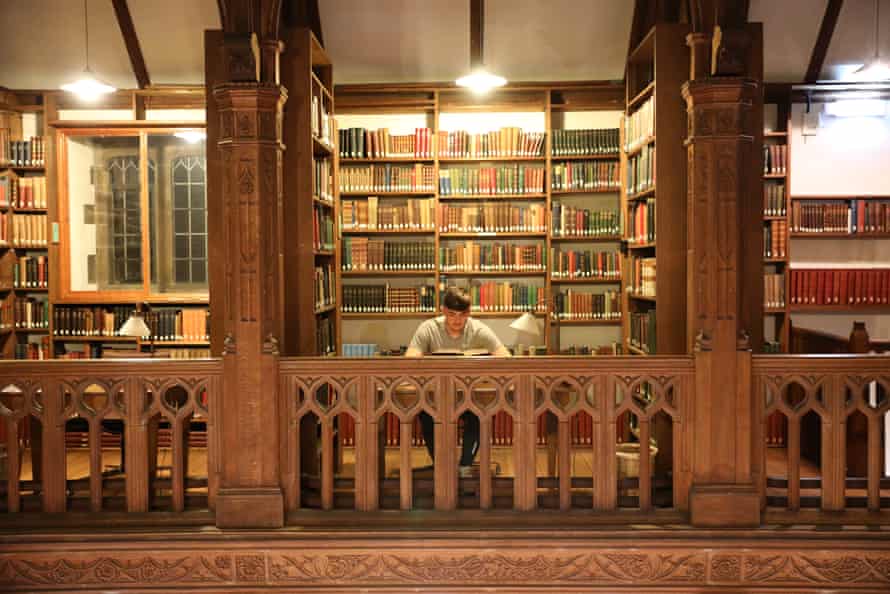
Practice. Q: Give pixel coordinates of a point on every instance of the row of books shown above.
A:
(186, 324)
(863, 286)
(774, 290)
(33, 351)
(775, 239)
(492, 217)
(30, 272)
(774, 200)
(572, 264)
(30, 313)
(585, 175)
(840, 216)
(775, 158)
(509, 141)
(323, 180)
(22, 192)
(642, 277)
(22, 153)
(363, 254)
(571, 221)
(505, 297)
(325, 336)
(643, 331)
(504, 179)
(362, 143)
(588, 141)
(387, 299)
(639, 126)
(641, 171)
(359, 350)
(585, 305)
(388, 177)
(322, 121)
(390, 215)
(641, 221)
(325, 291)
(323, 236)
(492, 257)
(23, 230)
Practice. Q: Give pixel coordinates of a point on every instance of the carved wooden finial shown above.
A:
(729, 51)
(229, 345)
(270, 345)
(743, 341)
(703, 341)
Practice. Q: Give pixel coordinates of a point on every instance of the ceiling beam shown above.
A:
(820, 49)
(128, 31)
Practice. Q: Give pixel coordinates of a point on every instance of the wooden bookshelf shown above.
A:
(656, 68)
(551, 104)
(309, 132)
(776, 209)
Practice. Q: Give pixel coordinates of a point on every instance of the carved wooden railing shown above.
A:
(42, 402)
(834, 411)
(648, 399)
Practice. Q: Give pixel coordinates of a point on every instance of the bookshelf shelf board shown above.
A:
(495, 197)
(635, 350)
(394, 314)
(365, 161)
(5, 331)
(773, 176)
(638, 297)
(17, 246)
(774, 310)
(584, 281)
(58, 338)
(641, 246)
(774, 217)
(775, 134)
(590, 157)
(365, 194)
(27, 289)
(775, 260)
(177, 343)
(639, 146)
(367, 273)
(324, 253)
(565, 322)
(387, 231)
(29, 210)
(641, 96)
(492, 235)
(840, 235)
(851, 307)
(320, 148)
(320, 202)
(586, 238)
(325, 309)
(321, 86)
(32, 330)
(492, 273)
(501, 314)
(489, 159)
(592, 191)
(642, 195)
(23, 167)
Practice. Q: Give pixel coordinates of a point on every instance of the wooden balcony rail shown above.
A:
(552, 432)
(108, 435)
(834, 411)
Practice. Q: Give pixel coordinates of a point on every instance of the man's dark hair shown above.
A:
(456, 299)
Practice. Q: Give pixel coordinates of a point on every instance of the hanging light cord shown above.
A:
(86, 33)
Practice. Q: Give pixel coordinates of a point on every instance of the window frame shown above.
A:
(60, 232)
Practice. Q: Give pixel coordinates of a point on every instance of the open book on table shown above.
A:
(458, 352)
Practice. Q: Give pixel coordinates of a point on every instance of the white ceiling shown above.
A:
(404, 40)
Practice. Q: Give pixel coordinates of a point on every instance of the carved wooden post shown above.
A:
(720, 164)
(250, 149)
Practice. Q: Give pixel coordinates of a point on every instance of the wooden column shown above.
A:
(720, 156)
(250, 150)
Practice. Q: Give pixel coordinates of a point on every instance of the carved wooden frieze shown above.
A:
(583, 568)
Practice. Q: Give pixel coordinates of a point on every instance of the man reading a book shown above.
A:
(455, 332)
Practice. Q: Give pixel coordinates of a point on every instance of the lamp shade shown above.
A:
(135, 326)
(526, 323)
